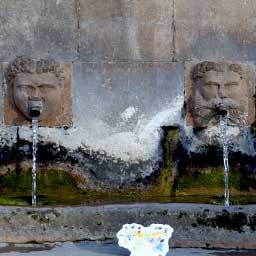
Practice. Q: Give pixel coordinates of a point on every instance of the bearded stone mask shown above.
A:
(214, 88)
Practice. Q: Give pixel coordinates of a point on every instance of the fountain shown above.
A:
(130, 138)
(37, 96)
(36, 90)
(218, 96)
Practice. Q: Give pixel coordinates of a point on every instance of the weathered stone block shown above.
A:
(37, 28)
(215, 30)
(125, 30)
(118, 112)
(122, 100)
(195, 225)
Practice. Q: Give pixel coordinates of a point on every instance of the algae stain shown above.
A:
(162, 185)
(197, 173)
(208, 181)
(199, 179)
(53, 184)
(229, 221)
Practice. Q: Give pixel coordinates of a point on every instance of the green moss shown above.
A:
(55, 187)
(52, 186)
(208, 180)
(162, 184)
(12, 201)
(16, 180)
(171, 138)
(46, 180)
(56, 180)
(199, 179)
(235, 179)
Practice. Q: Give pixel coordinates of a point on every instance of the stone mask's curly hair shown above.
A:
(203, 67)
(26, 65)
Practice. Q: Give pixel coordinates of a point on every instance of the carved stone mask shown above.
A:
(217, 88)
(40, 89)
(35, 84)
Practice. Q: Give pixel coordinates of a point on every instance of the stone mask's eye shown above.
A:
(211, 83)
(232, 84)
(23, 88)
(45, 88)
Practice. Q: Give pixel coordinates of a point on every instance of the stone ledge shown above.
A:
(195, 225)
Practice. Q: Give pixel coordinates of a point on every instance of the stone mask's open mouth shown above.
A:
(35, 107)
(221, 110)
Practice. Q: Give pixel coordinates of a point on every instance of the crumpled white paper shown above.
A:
(150, 241)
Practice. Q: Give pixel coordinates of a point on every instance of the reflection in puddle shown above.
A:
(26, 248)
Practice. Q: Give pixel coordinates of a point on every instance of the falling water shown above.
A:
(35, 132)
(224, 139)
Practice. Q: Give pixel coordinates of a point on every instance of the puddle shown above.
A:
(89, 248)
(25, 248)
(94, 200)
(236, 253)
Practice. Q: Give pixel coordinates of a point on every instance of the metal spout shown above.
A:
(35, 108)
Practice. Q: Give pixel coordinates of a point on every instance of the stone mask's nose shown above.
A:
(36, 93)
(222, 92)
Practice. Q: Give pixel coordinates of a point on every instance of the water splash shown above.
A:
(35, 135)
(224, 139)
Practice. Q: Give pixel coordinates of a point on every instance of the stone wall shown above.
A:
(128, 75)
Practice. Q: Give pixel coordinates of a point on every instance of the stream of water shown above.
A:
(224, 139)
(35, 135)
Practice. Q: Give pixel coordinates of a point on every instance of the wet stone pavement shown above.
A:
(102, 249)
